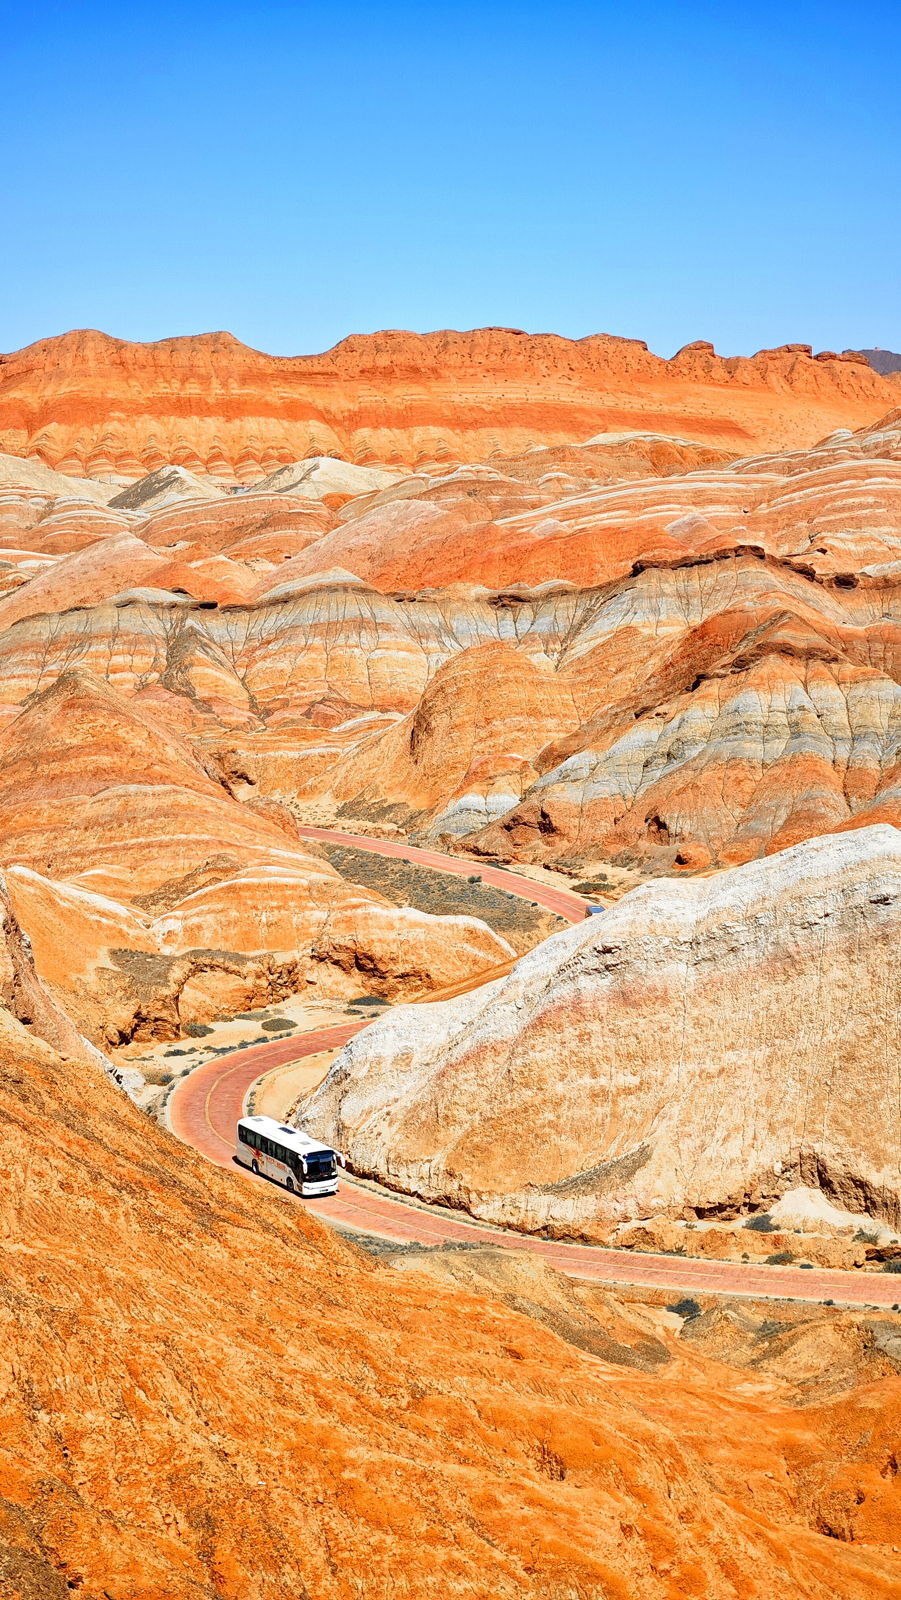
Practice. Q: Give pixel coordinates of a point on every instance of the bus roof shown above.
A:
(291, 1138)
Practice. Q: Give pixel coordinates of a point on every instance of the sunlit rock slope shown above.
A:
(207, 1393)
(670, 671)
(154, 898)
(89, 404)
(696, 1051)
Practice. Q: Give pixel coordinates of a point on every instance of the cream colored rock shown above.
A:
(168, 486)
(320, 476)
(32, 473)
(701, 1048)
(740, 1243)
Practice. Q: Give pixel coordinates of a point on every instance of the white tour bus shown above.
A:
(289, 1156)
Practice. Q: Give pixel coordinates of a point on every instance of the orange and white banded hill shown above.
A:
(90, 405)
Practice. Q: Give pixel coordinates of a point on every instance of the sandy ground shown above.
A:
(277, 1092)
(163, 1064)
(619, 879)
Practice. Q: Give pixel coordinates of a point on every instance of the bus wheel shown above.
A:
(255, 1167)
(289, 1185)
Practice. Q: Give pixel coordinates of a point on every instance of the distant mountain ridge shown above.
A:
(883, 361)
(88, 405)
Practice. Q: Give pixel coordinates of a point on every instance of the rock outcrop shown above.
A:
(670, 672)
(696, 1051)
(92, 405)
(26, 999)
(139, 876)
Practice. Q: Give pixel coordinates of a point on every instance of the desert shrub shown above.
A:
(780, 1259)
(892, 1266)
(277, 1024)
(197, 1030)
(686, 1309)
(166, 1077)
(761, 1224)
(370, 1000)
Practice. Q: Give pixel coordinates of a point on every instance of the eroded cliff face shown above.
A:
(697, 1050)
(207, 1393)
(147, 888)
(667, 672)
(670, 672)
(27, 1001)
(88, 404)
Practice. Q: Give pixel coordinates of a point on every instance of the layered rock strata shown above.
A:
(92, 405)
(696, 1051)
(689, 670)
(154, 898)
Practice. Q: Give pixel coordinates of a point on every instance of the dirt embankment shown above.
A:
(443, 894)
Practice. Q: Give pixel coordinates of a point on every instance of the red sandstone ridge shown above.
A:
(88, 404)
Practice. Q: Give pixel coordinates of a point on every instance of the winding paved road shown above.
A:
(562, 901)
(207, 1104)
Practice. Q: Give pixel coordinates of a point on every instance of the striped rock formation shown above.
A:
(91, 405)
(668, 671)
(154, 898)
(695, 1052)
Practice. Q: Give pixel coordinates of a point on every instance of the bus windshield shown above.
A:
(320, 1164)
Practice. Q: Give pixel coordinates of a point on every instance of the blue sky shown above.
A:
(295, 173)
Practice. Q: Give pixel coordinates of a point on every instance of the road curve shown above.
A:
(207, 1103)
(562, 901)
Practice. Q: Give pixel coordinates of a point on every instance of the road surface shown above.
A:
(207, 1104)
(562, 901)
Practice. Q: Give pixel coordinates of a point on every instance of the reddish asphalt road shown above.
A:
(208, 1102)
(562, 901)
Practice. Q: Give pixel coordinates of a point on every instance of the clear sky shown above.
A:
(295, 173)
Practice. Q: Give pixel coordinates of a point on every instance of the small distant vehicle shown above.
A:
(287, 1155)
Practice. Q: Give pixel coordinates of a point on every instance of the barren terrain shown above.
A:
(331, 689)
